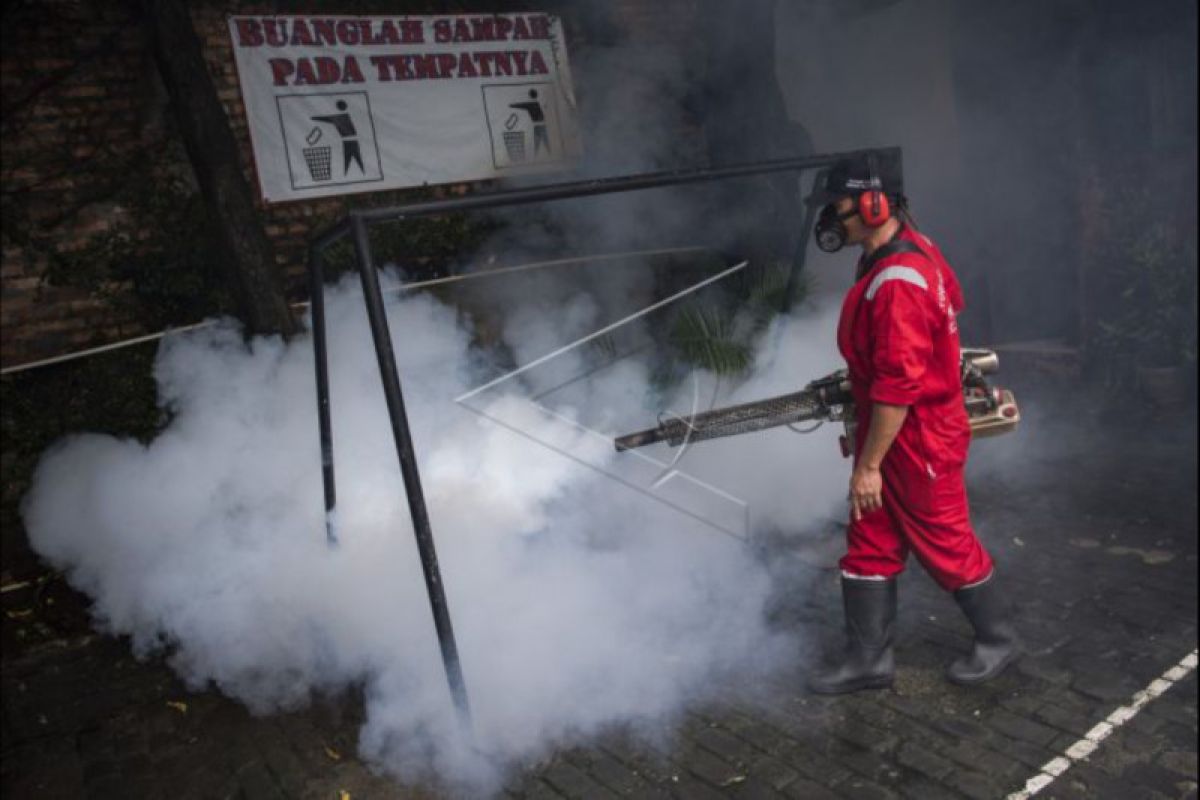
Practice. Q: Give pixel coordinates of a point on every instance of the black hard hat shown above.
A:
(853, 175)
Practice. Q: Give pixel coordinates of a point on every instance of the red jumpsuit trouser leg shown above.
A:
(924, 514)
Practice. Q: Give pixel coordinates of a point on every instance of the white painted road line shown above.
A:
(1092, 739)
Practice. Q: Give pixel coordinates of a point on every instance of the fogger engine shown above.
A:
(991, 410)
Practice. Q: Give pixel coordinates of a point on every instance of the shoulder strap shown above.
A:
(890, 249)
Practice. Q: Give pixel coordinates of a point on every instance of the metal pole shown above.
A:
(331, 234)
(798, 258)
(408, 466)
(649, 180)
(316, 274)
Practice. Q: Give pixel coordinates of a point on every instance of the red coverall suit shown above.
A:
(899, 337)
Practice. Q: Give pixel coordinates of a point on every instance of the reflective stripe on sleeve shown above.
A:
(895, 274)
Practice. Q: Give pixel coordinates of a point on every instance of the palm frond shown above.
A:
(704, 337)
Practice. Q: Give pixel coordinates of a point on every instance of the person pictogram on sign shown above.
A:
(541, 138)
(344, 125)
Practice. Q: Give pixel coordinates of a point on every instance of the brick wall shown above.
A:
(84, 106)
(74, 77)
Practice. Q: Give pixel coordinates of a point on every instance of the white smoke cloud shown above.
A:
(586, 588)
(577, 601)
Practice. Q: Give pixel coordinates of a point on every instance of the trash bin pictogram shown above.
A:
(319, 160)
(514, 143)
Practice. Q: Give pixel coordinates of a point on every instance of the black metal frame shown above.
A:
(357, 225)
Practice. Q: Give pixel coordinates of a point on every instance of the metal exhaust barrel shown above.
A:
(990, 410)
(639, 439)
(986, 361)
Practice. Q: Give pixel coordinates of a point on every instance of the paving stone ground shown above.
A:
(1094, 529)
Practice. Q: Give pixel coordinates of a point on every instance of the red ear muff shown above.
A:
(873, 208)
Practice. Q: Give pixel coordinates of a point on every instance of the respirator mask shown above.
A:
(830, 230)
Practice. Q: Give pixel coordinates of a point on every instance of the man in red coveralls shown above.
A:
(899, 337)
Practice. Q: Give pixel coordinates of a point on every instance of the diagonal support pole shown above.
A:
(373, 296)
(316, 267)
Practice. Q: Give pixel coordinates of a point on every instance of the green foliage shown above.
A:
(422, 246)
(1151, 281)
(720, 332)
(605, 347)
(155, 260)
(706, 337)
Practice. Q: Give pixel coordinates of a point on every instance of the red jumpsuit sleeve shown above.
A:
(902, 341)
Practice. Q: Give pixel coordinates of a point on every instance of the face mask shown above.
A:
(830, 230)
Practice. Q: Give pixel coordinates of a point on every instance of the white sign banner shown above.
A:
(339, 105)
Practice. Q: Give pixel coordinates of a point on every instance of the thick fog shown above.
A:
(579, 598)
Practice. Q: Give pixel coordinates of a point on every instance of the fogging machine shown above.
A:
(991, 410)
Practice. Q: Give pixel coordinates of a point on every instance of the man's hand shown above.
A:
(866, 484)
(866, 490)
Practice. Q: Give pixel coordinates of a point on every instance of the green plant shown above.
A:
(720, 332)
(155, 257)
(1154, 318)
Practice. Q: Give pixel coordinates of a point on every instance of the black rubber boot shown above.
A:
(867, 662)
(996, 643)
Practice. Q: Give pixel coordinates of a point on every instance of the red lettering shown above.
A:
(325, 35)
(276, 34)
(417, 70)
(424, 66)
(384, 65)
(413, 31)
(347, 32)
(520, 29)
(504, 27)
(483, 60)
(503, 63)
(249, 33)
(388, 33)
(405, 68)
(537, 64)
(462, 31)
(281, 70)
(446, 64)
(327, 70)
(304, 72)
(300, 34)
(466, 67)
(441, 31)
(539, 27)
(350, 71)
(483, 29)
(367, 36)
(519, 57)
